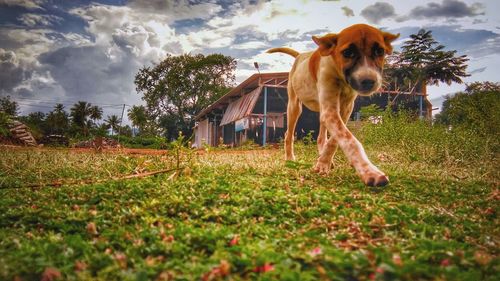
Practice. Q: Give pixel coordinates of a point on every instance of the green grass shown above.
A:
(244, 215)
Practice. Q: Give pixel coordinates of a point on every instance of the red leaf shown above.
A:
(263, 268)
(396, 259)
(445, 262)
(234, 241)
(50, 274)
(80, 265)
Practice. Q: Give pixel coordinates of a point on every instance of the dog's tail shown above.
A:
(288, 51)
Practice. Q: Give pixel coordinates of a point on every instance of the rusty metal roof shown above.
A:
(254, 81)
(241, 107)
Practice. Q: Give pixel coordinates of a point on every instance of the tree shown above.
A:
(423, 61)
(477, 108)
(138, 115)
(79, 114)
(8, 107)
(57, 120)
(95, 113)
(179, 87)
(114, 122)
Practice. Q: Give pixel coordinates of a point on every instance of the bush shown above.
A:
(419, 140)
(142, 142)
(477, 109)
(4, 125)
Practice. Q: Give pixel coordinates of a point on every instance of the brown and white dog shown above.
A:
(328, 81)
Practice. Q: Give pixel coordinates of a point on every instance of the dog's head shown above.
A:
(358, 52)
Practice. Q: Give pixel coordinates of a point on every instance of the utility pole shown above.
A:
(121, 121)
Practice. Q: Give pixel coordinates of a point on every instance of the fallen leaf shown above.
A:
(263, 268)
(396, 259)
(222, 270)
(482, 257)
(315, 252)
(80, 265)
(91, 228)
(445, 262)
(234, 241)
(121, 259)
(50, 274)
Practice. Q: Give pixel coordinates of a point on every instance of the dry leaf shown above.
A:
(482, 258)
(91, 228)
(50, 274)
(80, 265)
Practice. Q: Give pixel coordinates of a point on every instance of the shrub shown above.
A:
(477, 109)
(420, 140)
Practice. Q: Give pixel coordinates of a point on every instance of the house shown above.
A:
(239, 116)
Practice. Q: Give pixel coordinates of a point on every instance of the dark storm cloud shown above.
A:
(88, 73)
(348, 12)
(472, 42)
(378, 11)
(11, 74)
(447, 9)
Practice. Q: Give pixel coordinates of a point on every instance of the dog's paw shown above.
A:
(375, 179)
(322, 168)
(290, 157)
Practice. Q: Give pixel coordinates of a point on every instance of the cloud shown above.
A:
(348, 12)
(32, 20)
(12, 72)
(478, 70)
(446, 9)
(176, 10)
(377, 12)
(28, 4)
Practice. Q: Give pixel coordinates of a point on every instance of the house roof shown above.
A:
(244, 87)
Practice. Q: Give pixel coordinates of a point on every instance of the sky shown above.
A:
(60, 51)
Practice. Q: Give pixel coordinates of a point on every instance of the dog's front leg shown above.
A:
(340, 134)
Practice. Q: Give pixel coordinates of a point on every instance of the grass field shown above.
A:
(246, 214)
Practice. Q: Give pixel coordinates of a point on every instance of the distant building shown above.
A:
(240, 115)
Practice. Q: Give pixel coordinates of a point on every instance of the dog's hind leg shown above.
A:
(294, 109)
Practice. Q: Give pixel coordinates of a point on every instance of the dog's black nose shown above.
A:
(367, 84)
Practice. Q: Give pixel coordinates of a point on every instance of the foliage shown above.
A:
(4, 124)
(370, 110)
(58, 120)
(143, 142)
(139, 117)
(424, 61)
(419, 141)
(477, 109)
(179, 87)
(8, 106)
(113, 122)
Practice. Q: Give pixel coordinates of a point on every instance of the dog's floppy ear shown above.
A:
(388, 38)
(326, 43)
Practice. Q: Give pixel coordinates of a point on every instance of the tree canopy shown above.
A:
(423, 61)
(179, 87)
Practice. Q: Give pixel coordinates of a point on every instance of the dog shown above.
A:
(327, 81)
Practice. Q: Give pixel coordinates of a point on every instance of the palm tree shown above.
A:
(79, 114)
(95, 113)
(113, 121)
(58, 120)
(137, 114)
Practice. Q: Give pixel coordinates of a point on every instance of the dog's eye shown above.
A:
(348, 53)
(378, 52)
